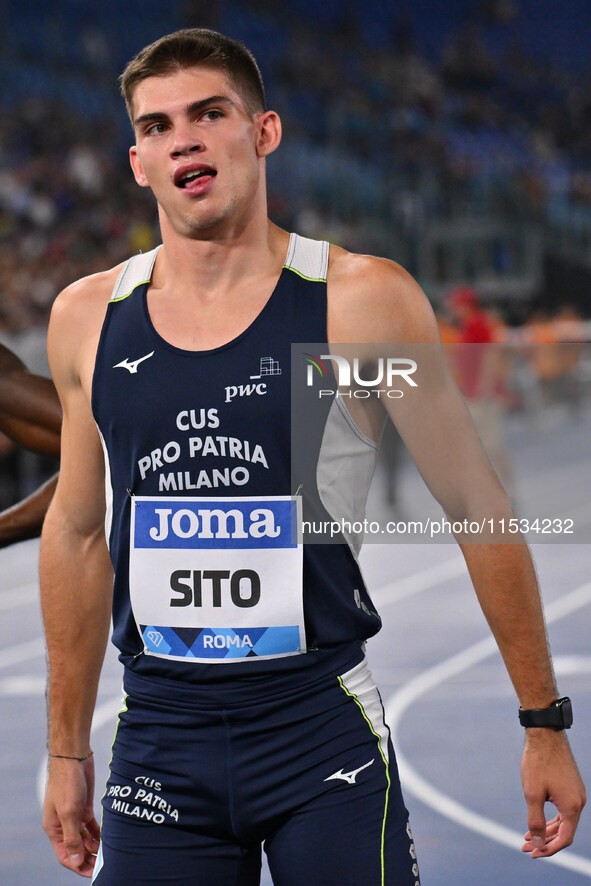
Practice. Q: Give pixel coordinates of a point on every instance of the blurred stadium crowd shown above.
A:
(465, 127)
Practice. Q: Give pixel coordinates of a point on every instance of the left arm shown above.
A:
(372, 300)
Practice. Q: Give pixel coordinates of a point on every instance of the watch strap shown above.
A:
(558, 715)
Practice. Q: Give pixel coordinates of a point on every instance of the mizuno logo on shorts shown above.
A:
(349, 777)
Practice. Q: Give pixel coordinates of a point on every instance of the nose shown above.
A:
(185, 141)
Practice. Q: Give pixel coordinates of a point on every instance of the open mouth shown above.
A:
(185, 179)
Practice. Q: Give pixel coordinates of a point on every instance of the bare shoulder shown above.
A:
(86, 296)
(76, 321)
(372, 299)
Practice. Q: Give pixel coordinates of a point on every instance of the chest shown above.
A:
(205, 324)
(193, 422)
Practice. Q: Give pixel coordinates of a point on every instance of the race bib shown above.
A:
(217, 579)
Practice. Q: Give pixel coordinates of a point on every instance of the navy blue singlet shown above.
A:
(182, 431)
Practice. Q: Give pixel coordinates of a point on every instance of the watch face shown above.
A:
(566, 710)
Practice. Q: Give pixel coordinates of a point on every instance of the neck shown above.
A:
(221, 261)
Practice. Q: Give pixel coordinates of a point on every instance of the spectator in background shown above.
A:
(480, 366)
(555, 350)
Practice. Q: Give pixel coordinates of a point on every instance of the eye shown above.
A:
(155, 129)
(212, 114)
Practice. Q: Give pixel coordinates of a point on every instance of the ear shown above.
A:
(138, 169)
(269, 133)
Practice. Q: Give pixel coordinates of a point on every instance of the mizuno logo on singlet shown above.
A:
(349, 777)
(132, 365)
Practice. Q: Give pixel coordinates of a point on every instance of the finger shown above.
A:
(551, 826)
(560, 834)
(72, 842)
(84, 867)
(55, 833)
(536, 821)
(91, 836)
(529, 847)
(563, 838)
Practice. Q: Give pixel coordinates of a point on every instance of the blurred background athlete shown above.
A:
(31, 416)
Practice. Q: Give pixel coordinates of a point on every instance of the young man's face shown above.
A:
(199, 151)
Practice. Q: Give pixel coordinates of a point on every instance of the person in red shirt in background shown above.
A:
(480, 366)
(474, 325)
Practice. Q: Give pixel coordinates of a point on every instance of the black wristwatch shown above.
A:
(559, 715)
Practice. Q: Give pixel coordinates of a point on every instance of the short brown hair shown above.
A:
(191, 47)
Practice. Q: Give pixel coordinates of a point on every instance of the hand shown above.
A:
(549, 773)
(68, 818)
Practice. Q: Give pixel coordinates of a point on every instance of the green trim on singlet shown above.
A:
(385, 761)
(122, 297)
(303, 276)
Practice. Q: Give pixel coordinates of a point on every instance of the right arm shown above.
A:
(76, 586)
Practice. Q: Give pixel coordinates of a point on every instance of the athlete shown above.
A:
(30, 415)
(250, 715)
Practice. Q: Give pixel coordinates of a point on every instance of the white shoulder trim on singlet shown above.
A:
(308, 258)
(136, 270)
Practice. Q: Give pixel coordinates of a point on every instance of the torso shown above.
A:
(154, 451)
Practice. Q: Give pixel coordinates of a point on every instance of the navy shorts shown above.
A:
(202, 777)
